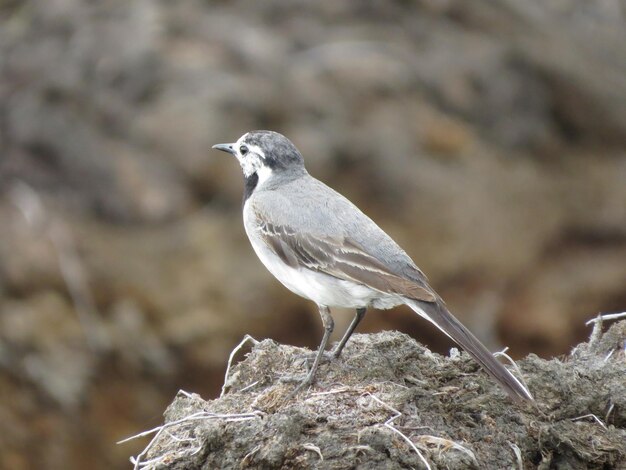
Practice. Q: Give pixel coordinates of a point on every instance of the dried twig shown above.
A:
(590, 415)
(602, 318)
(518, 455)
(164, 429)
(608, 413)
(230, 361)
(389, 425)
(447, 444)
(598, 321)
(313, 448)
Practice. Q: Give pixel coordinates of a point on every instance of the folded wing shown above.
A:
(343, 258)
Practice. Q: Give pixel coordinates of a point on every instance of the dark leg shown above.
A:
(329, 324)
(360, 313)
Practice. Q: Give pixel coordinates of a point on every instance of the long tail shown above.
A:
(438, 314)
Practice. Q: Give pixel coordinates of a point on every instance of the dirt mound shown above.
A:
(389, 403)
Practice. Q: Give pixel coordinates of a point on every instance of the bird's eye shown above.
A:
(243, 150)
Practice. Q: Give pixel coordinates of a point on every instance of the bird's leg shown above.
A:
(329, 325)
(360, 313)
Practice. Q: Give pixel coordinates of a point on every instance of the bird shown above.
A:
(322, 247)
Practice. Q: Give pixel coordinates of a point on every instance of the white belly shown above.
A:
(316, 286)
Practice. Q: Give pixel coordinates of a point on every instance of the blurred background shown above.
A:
(487, 137)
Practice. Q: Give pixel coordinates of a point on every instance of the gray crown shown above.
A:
(280, 152)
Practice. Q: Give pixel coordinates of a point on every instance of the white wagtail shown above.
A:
(323, 248)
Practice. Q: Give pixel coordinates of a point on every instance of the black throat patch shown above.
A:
(250, 182)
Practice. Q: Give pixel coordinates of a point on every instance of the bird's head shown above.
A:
(265, 155)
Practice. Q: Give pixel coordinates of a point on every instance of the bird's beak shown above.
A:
(228, 148)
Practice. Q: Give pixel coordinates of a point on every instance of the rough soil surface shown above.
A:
(390, 403)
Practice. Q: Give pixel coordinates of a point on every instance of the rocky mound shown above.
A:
(391, 403)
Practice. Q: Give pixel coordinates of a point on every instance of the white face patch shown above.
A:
(253, 161)
(263, 172)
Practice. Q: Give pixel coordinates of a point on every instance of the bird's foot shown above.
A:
(335, 352)
(308, 378)
(303, 381)
(309, 358)
(300, 379)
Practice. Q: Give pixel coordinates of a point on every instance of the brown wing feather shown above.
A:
(344, 259)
